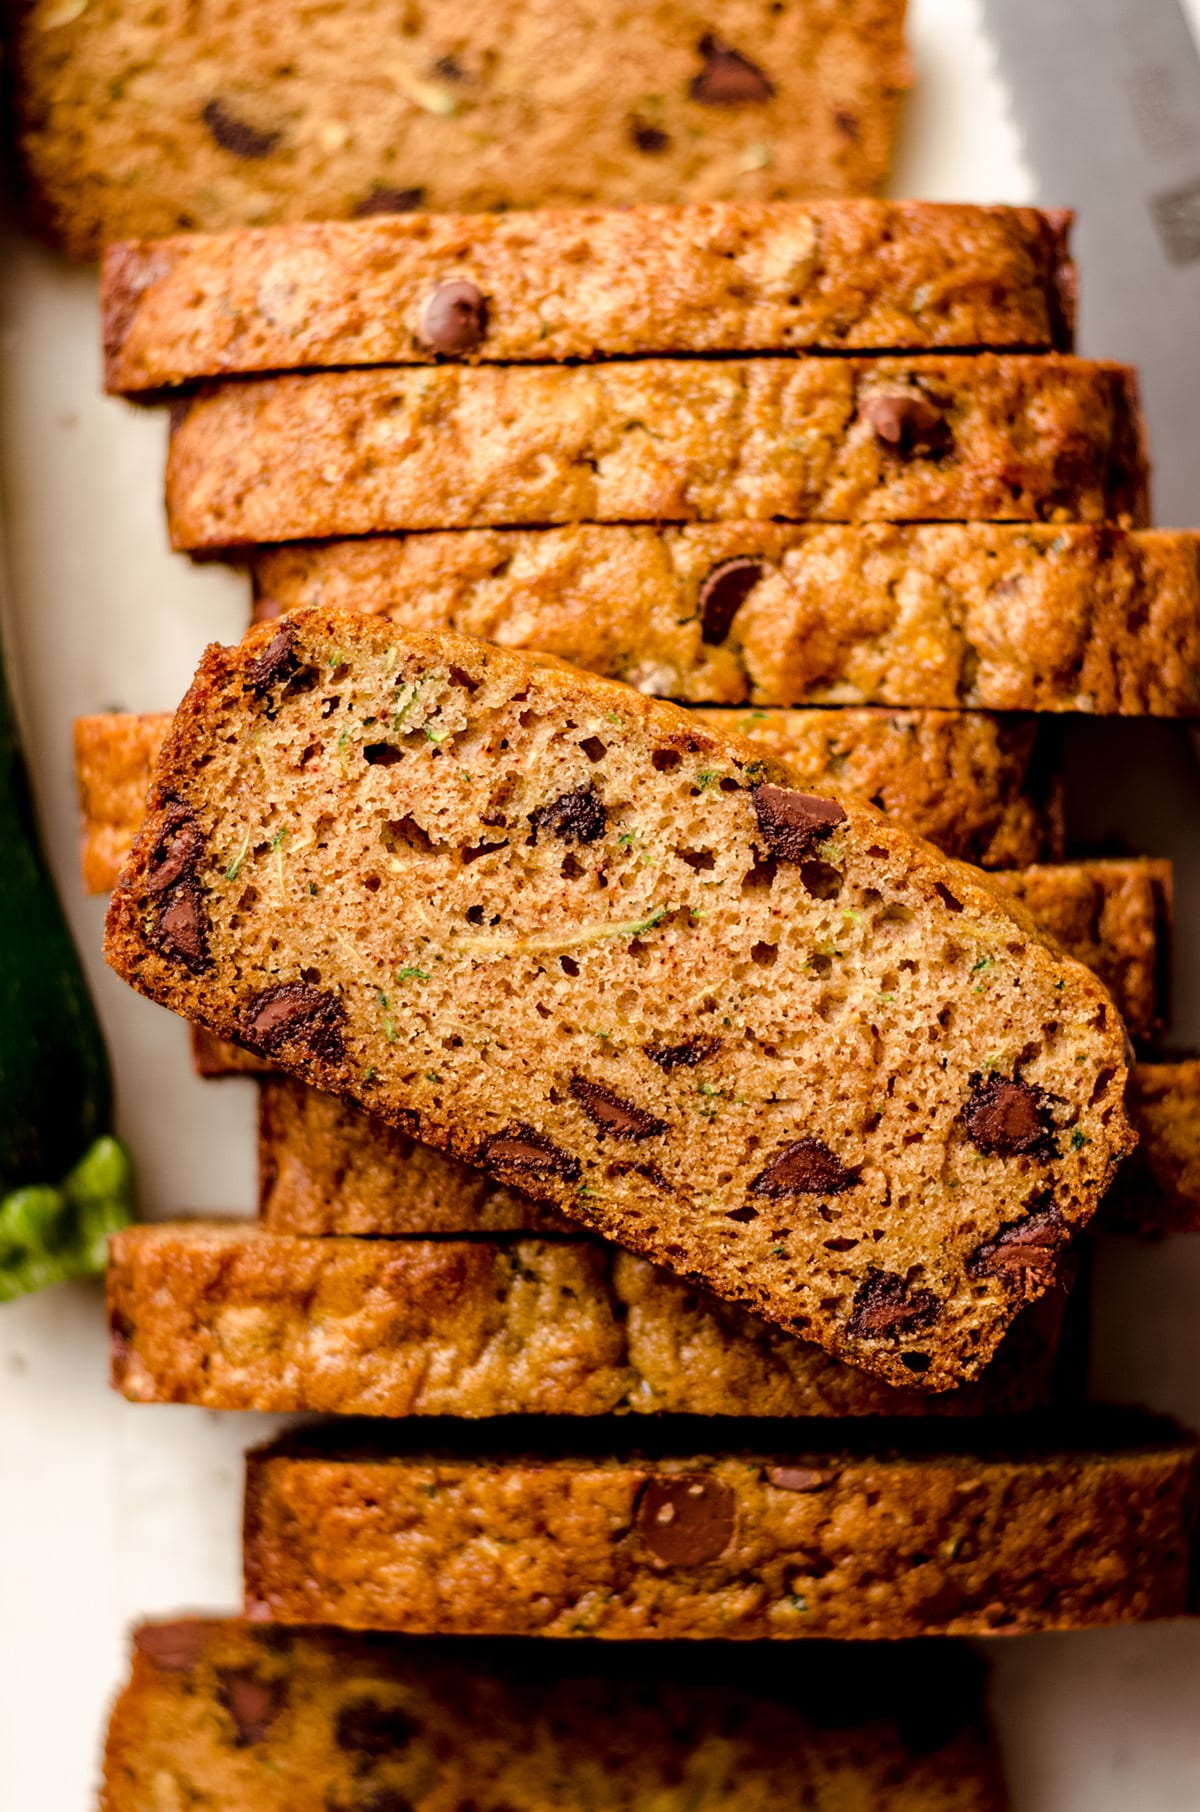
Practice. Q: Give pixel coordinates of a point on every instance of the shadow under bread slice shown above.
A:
(415, 870)
(995, 437)
(1072, 1522)
(982, 787)
(252, 1717)
(230, 1316)
(836, 276)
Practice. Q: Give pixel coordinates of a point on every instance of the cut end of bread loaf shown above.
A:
(626, 963)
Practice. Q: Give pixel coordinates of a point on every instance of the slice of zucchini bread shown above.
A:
(998, 437)
(246, 1717)
(787, 276)
(629, 964)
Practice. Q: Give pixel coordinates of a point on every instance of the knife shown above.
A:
(1106, 97)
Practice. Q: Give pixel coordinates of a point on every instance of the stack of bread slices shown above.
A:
(629, 849)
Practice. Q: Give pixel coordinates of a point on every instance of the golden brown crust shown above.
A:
(355, 951)
(1158, 1190)
(139, 123)
(792, 1541)
(977, 786)
(251, 1719)
(1002, 437)
(959, 615)
(845, 276)
(228, 1316)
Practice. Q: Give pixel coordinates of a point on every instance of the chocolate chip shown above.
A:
(799, 1478)
(686, 1519)
(906, 422)
(654, 1175)
(884, 1304)
(181, 928)
(1024, 1252)
(454, 318)
(179, 848)
(793, 822)
(365, 1727)
(527, 1154)
(724, 592)
(613, 1115)
(728, 78)
(651, 139)
(806, 1167)
(251, 1702)
(238, 136)
(682, 1056)
(1005, 1118)
(276, 662)
(390, 201)
(577, 817)
(294, 1012)
(175, 1647)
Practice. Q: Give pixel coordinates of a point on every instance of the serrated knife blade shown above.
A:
(1106, 97)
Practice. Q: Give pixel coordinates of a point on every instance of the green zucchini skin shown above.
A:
(56, 1099)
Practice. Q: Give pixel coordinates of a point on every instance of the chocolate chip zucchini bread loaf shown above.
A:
(628, 964)
(984, 789)
(959, 615)
(845, 276)
(135, 122)
(326, 1167)
(1076, 1524)
(248, 1718)
(1003, 437)
(228, 1316)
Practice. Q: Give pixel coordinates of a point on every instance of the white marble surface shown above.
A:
(107, 1510)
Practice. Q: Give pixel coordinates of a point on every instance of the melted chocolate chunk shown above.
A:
(793, 822)
(276, 662)
(806, 1167)
(724, 592)
(728, 79)
(179, 848)
(527, 1154)
(686, 1519)
(365, 1727)
(1024, 1252)
(294, 1012)
(682, 1056)
(577, 817)
(238, 136)
(612, 1115)
(799, 1478)
(1005, 1118)
(885, 1305)
(454, 318)
(906, 423)
(390, 201)
(175, 1647)
(181, 928)
(251, 1702)
(651, 139)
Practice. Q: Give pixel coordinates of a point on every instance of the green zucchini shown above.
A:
(65, 1181)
